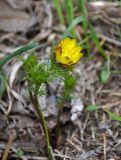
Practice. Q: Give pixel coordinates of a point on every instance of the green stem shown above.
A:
(17, 52)
(40, 116)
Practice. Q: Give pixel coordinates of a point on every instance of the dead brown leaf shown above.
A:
(13, 20)
(22, 4)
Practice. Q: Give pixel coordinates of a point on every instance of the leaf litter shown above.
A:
(12, 20)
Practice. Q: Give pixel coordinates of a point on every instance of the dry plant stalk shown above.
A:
(9, 144)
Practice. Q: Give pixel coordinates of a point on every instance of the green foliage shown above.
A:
(113, 116)
(74, 22)
(105, 72)
(36, 74)
(59, 10)
(2, 83)
(116, 124)
(69, 81)
(39, 74)
(9, 57)
(69, 10)
(56, 68)
(91, 108)
(64, 73)
(83, 11)
(85, 24)
(84, 40)
(104, 76)
(51, 154)
(96, 41)
(20, 153)
(18, 52)
(69, 85)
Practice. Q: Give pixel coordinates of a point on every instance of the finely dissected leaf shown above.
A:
(40, 89)
(91, 108)
(37, 74)
(58, 70)
(104, 76)
(70, 81)
(69, 85)
(30, 63)
(112, 115)
(72, 25)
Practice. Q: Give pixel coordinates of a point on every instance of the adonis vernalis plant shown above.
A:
(63, 56)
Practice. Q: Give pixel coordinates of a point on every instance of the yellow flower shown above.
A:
(67, 52)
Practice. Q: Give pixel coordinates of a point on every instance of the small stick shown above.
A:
(104, 146)
(104, 141)
(9, 144)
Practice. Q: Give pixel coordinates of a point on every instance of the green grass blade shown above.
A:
(59, 11)
(84, 14)
(85, 23)
(91, 108)
(72, 25)
(84, 40)
(69, 10)
(113, 116)
(97, 42)
(18, 52)
(2, 84)
(50, 153)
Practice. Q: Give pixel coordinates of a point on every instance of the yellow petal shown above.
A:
(77, 57)
(67, 52)
(58, 50)
(68, 44)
